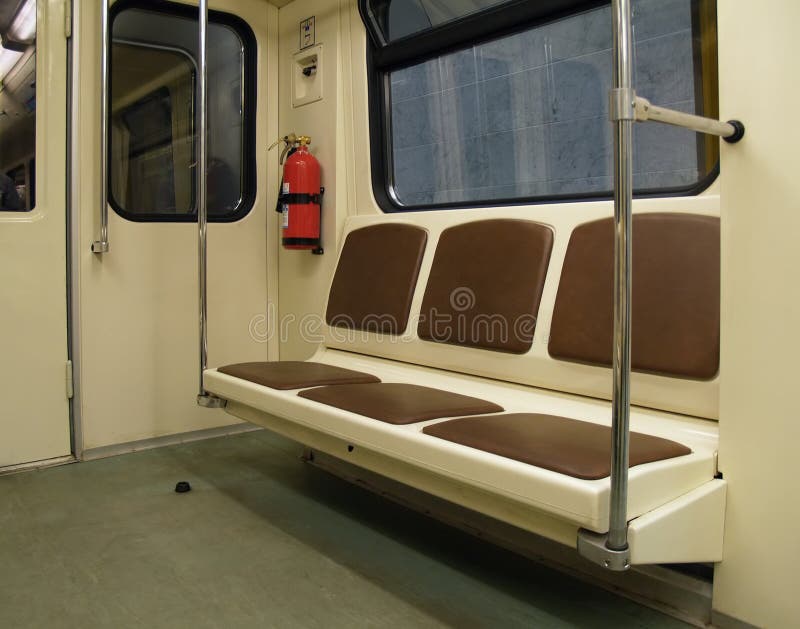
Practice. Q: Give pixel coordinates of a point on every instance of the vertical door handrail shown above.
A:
(201, 181)
(102, 245)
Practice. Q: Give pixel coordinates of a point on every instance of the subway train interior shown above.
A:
(399, 313)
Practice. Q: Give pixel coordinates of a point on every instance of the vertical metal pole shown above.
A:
(201, 180)
(101, 245)
(200, 174)
(611, 550)
(622, 103)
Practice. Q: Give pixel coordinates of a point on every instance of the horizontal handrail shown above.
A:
(731, 131)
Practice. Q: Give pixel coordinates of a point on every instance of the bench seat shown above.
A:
(399, 403)
(517, 314)
(567, 446)
(580, 502)
(295, 374)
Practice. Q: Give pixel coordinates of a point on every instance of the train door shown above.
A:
(138, 320)
(34, 420)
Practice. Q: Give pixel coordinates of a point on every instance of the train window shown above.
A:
(522, 116)
(17, 104)
(153, 79)
(396, 19)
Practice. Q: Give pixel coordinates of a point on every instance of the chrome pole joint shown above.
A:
(622, 104)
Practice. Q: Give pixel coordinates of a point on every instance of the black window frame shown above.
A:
(473, 29)
(249, 108)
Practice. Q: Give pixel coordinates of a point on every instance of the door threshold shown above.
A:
(37, 465)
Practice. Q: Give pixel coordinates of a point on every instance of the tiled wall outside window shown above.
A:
(527, 115)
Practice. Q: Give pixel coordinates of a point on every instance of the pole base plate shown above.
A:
(206, 400)
(592, 546)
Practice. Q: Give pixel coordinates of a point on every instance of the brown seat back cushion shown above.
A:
(375, 278)
(485, 285)
(295, 374)
(675, 307)
(567, 446)
(398, 403)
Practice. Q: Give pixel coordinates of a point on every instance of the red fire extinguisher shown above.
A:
(300, 198)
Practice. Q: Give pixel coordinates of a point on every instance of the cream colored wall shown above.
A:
(359, 104)
(138, 303)
(304, 277)
(759, 427)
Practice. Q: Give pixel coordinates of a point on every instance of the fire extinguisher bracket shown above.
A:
(316, 199)
(301, 198)
(318, 250)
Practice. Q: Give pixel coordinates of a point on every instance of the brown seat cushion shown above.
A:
(567, 446)
(675, 308)
(375, 278)
(294, 374)
(396, 403)
(485, 285)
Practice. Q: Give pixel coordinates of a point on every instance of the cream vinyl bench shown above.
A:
(467, 354)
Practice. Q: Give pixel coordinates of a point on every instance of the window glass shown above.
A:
(526, 116)
(400, 18)
(17, 105)
(152, 134)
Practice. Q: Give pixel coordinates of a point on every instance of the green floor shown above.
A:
(263, 540)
